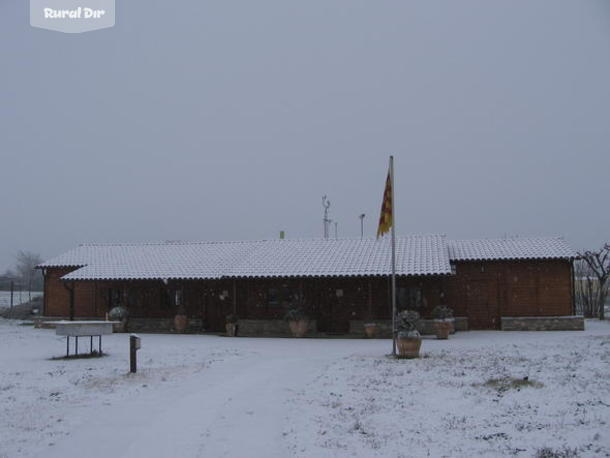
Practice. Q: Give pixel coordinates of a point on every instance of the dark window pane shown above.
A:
(408, 298)
(273, 296)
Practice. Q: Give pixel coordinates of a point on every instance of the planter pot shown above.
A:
(298, 328)
(442, 328)
(452, 321)
(180, 323)
(120, 327)
(371, 329)
(231, 329)
(408, 347)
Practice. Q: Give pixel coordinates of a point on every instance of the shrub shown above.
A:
(295, 314)
(407, 322)
(547, 452)
(511, 383)
(232, 318)
(442, 312)
(118, 313)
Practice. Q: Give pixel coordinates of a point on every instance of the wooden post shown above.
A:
(72, 307)
(572, 287)
(71, 293)
(371, 317)
(133, 349)
(12, 292)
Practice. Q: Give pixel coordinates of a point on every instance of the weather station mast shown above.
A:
(325, 220)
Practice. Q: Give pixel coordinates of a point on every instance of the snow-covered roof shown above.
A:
(415, 255)
(510, 248)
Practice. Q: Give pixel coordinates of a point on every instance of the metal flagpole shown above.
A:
(393, 257)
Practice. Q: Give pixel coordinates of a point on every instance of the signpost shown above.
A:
(135, 343)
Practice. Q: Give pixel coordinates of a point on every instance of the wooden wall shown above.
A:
(56, 300)
(482, 291)
(485, 291)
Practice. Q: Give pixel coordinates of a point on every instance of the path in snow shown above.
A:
(239, 407)
(208, 396)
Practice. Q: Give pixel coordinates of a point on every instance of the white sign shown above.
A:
(72, 16)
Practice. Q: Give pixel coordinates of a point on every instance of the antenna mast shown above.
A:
(362, 215)
(325, 220)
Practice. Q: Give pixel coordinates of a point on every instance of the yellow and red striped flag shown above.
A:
(386, 218)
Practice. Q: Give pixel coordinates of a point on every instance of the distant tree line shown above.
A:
(23, 275)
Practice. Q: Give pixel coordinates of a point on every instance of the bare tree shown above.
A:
(585, 289)
(26, 263)
(595, 280)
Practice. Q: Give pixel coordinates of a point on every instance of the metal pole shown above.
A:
(325, 220)
(393, 256)
(361, 225)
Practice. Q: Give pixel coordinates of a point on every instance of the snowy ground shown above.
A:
(18, 298)
(212, 396)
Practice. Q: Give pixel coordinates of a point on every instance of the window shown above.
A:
(278, 296)
(273, 296)
(166, 299)
(409, 298)
(114, 298)
(132, 298)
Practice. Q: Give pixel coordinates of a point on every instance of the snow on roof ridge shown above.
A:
(212, 242)
(510, 238)
(416, 255)
(555, 247)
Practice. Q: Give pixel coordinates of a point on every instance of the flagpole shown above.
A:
(393, 257)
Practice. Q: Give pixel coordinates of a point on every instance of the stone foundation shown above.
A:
(161, 325)
(270, 328)
(543, 323)
(356, 327)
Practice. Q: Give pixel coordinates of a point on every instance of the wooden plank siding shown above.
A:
(485, 291)
(481, 291)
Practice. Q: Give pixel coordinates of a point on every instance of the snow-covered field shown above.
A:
(18, 298)
(211, 396)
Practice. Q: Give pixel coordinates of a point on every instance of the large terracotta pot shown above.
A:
(298, 328)
(180, 323)
(408, 347)
(442, 328)
(371, 329)
(231, 329)
(121, 326)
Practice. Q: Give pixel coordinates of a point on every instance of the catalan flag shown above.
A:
(386, 218)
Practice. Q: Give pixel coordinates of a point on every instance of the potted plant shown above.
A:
(297, 321)
(181, 320)
(231, 324)
(371, 329)
(408, 339)
(443, 321)
(119, 313)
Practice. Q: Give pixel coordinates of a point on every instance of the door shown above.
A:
(333, 316)
(483, 311)
(216, 311)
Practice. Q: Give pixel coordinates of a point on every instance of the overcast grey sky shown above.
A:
(209, 120)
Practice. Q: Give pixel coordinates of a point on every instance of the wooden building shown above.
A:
(520, 283)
